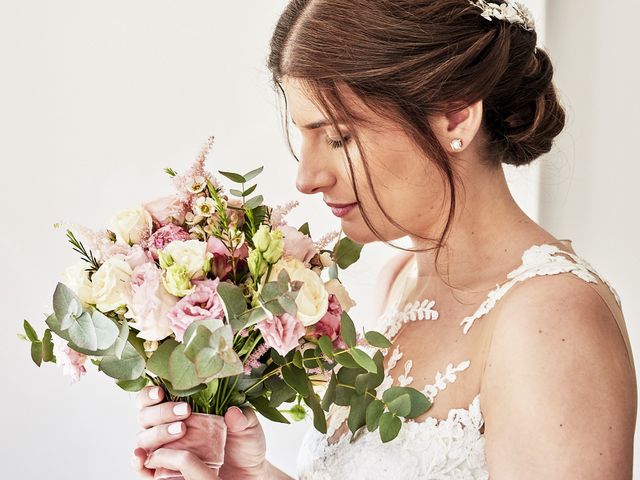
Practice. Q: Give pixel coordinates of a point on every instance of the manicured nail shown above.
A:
(175, 428)
(180, 409)
(154, 393)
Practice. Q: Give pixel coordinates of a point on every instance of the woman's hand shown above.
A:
(187, 463)
(244, 456)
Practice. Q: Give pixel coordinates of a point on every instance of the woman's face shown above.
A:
(408, 186)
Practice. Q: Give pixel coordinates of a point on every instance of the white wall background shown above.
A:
(96, 98)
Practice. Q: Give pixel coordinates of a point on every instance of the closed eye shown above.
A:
(335, 144)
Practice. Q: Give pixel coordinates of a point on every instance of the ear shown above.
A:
(460, 124)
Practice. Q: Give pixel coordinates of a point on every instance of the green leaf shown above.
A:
(364, 360)
(236, 193)
(249, 190)
(199, 338)
(53, 323)
(83, 333)
(330, 392)
(182, 372)
(184, 393)
(262, 406)
(47, 347)
(304, 228)
(389, 427)
(106, 329)
(129, 366)
(326, 346)
(296, 378)
(376, 339)
(208, 363)
(357, 411)
(374, 411)
(36, 352)
(319, 419)
(297, 359)
(419, 402)
(343, 395)
(347, 329)
(158, 363)
(31, 333)
(65, 304)
(133, 385)
(277, 358)
(253, 174)
(281, 394)
(346, 252)
(234, 177)
(233, 303)
(400, 405)
(288, 303)
(253, 202)
(345, 359)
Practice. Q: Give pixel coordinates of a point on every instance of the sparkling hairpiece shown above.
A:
(512, 11)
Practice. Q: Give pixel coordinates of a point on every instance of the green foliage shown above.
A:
(346, 252)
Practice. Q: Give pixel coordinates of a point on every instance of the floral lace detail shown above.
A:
(442, 380)
(394, 319)
(537, 260)
(451, 448)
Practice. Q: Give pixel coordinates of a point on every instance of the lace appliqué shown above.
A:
(450, 376)
(393, 320)
(537, 260)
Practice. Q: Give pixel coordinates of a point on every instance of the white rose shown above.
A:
(325, 259)
(77, 279)
(335, 286)
(131, 225)
(312, 299)
(110, 284)
(191, 254)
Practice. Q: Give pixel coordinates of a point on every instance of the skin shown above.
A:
(559, 396)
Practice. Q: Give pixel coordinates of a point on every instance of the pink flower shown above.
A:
(281, 332)
(329, 324)
(163, 209)
(297, 244)
(202, 304)
(164, 236)
(71, 361)
(221, 261)
(138, 256)
(150, 303)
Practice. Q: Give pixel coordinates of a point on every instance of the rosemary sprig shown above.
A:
(87, 256)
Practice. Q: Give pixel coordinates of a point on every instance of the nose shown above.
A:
(312, 179)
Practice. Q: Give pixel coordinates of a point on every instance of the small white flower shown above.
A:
(204, 206)
(197, 184)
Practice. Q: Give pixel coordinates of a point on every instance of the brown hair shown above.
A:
(409, 59)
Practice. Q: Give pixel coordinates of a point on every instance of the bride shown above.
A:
(407, 111)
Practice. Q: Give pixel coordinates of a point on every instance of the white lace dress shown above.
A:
(449, 448)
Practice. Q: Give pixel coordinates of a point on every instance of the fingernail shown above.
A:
(180, 409)
(154, 393)
(175, 428)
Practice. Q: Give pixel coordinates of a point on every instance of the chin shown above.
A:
(360, 233)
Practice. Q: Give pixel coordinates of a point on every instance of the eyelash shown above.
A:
(335, 144)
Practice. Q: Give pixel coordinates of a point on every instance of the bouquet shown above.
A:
(212, 296)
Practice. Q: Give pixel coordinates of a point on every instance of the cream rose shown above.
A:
(190, 254)
(110, 284)
(312, 299)
(131, 225)
(77, 279)
(335, 286)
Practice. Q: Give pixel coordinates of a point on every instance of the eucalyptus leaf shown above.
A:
(184, 393)
(357, 411)
(47, 347)
(326, 346)
(133, 385)
(236, 193)
(296, 378)
(419, 402)
(31, 333)
(82, 332)
(254, 202)
(129, 366)
(400, 405)
(233, 303)
(182, 372)
(304, 228)
(389, 427)
(345, 359)
(376, 339)
(330, 392)
(234, 177)
(36, 352)
(208, 363)
(249, 190)
(347, 329)
(65, 302)
(158, 363)
(346, 252)
(106, 329)
(253, 174)
(262, 406)
(53, 323)
(374, 411)
(319, 419)
(364, 360)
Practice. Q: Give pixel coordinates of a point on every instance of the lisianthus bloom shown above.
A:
(312, 299)
(71, 361)
(150, 303)
(191, 254)
(164, 236)
(297, 244)
(329, 324)
(202, 304)
(281, 332)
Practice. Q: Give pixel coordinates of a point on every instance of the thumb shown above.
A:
(238, 420)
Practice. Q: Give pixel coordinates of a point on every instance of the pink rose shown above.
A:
(150, 303)
(281, 332)
(202, 304)
(165, 208)
(71, 361)
(297, 244)
(164, 236)
(329, 324)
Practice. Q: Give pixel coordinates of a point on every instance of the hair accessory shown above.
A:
(512, 11)
(456, 144)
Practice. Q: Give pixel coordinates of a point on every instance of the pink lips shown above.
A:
(340, 210)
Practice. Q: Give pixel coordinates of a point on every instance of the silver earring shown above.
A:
(456, 144)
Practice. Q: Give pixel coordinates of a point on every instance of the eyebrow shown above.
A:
(314, 125)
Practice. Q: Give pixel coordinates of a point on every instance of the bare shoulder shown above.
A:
(387, 276)
(558, 374)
